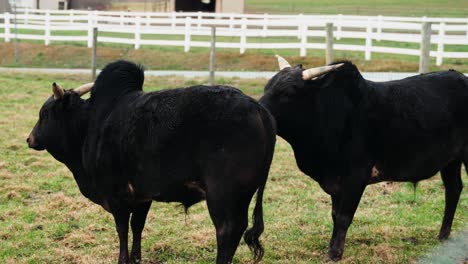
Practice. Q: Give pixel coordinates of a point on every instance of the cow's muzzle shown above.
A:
(32, 142)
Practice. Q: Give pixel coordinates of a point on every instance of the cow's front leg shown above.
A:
(121, 216)
(335, 202)
(351, 192)
(138, 223)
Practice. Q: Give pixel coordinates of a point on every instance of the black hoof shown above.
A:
(335, 255)
(443, 236)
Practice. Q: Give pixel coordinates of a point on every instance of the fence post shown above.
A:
(304, 28)
(93, 54)
(368, 47)
(379, 27)
(187, 34)
(300, 26)
(26, 16)
(47, 27)
(148, 22)
(90, 30)
(329, 43)
(72, 20)
(173, 20)
(338, 26)
(121, 18)
(424, 58)
(231, 22)
(243, 38)
(137, 32)
(199, 21)
(440, 44)
(265, 24)
(7, 27)
(212, 55)
(467, 28)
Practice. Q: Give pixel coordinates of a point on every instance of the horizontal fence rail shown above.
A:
(137, 28)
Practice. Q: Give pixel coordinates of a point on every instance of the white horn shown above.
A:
(282, 62)
(58, 90)
(318, 71)
(85, 88)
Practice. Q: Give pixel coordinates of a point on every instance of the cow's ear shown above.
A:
(298, 67)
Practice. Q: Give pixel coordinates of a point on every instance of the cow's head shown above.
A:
(59, 120)
(292, 95)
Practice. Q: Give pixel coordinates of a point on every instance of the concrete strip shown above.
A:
(372, 76)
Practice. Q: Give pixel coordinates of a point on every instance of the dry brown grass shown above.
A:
(70, 56)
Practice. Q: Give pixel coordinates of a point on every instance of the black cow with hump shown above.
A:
(127, 148)
(347, 132)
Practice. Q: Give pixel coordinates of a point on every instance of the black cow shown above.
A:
(127, 148)
(348, 132)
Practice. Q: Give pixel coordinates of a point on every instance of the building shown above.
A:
(218, 6)
(4, 7)
(41, 4)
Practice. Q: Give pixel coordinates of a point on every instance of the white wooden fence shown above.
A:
(244, 31)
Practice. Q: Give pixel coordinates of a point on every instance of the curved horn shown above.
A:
(85, 88)
(318, 71)
(282, 62)
(58, 90)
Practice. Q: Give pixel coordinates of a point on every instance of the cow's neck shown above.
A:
(82, 179)
(74, 158)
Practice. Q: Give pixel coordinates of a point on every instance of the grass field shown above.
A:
(36, 55)
(44, 218)
(437, 8)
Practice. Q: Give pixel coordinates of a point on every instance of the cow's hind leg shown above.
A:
(451, 177)
(230, 217)
(138, 223)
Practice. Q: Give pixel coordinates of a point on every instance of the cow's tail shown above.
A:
(252, 235)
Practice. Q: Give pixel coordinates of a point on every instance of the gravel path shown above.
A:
(373, 76)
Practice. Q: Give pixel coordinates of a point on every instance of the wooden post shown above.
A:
(329, 43)
(243, 37)
(231, 23)
(424, 58)
(367, 53)
(137, 32)
(47, 28)
(300, 26)
(26, 16)
(265, 24)
(212, 55)
(338, 26)
(440, 44)
(173, 20)
(93, 54)
(303, 50)
(7, 27)
(199, 19)
(71, 17)
(187, 34)
(379, 28)
(467, 28)
(90, 30)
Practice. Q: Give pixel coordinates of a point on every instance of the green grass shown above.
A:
(436, 8)
(44, 218)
